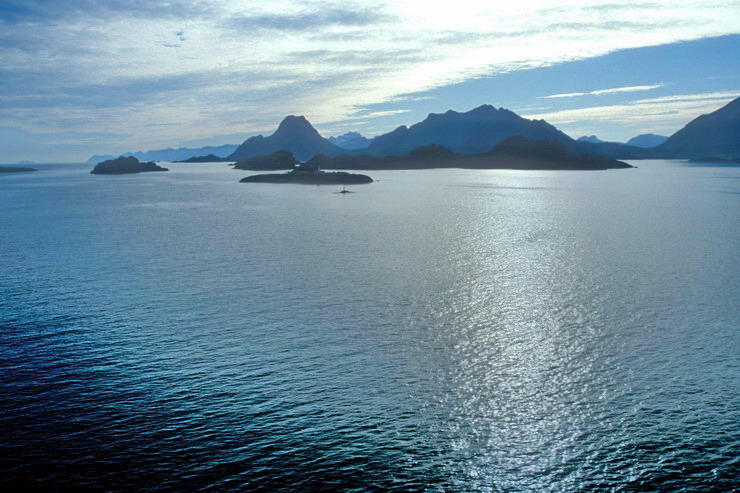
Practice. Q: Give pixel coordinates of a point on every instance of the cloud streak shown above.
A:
(226, 66)
(600, 92)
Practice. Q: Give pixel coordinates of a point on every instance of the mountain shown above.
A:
(647, 141)
(590, 138)
(295, 134)
(350, 141)
(170, 154)
(475, 131)
(96, 158)
(511, 153)
(716, 134)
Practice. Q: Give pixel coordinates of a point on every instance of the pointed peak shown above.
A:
(295, 121)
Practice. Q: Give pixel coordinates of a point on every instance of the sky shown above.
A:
(85, 77)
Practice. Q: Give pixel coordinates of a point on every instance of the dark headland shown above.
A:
(308, 174)
(15, 169)
(123, 165)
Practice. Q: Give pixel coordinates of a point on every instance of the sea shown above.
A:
(437, 330)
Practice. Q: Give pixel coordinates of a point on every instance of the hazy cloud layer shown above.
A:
(227, 66)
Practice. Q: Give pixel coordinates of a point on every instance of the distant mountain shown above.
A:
(716, 134)
(98, 158)
(647, 141)
(169, 154)
(350, 141)
(295, 134)
(475, 131)
(590, 138)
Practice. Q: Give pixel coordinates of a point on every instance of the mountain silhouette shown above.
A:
(590, 138)
(647, 141)
(294, 134)
(350, 141)
(715, 134)
(475, 131)
(170, 154)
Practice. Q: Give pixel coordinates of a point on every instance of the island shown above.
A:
(310, 174)
(123, 165)
(275, 161)
(511, 153)
(15, 169)
(211, 158)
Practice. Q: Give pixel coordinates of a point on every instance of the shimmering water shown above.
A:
(438, 330)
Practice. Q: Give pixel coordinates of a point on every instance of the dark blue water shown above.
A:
(438, 330)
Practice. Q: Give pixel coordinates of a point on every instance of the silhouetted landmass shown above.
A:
(590, 138)
(716, 134)
(647, 141)
(513, 153)
(294, 134)
(170, 154)
(15, 169)
(97, 158)
(275, 161)
(310, 174)
(475, 131)
(211, 158)
(714, 160)
(124, 165)
(350, 141)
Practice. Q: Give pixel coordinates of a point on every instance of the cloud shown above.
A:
(309, 20)
(604, 91)
(667, 113)
(240, 65)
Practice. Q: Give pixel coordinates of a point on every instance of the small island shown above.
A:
(211, 158)
(123, 165)
(15, 169)
(310, 174)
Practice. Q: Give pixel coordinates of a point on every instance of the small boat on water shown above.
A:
(344, 190)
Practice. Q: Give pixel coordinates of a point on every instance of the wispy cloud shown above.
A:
(309, 20)
(230, 66)
(599, 92)
(666, 114)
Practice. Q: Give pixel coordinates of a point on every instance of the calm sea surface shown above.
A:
(438, 330)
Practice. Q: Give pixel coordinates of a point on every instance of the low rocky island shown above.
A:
(211, 158)
(123, 165)
(15, 169)
(309, 174)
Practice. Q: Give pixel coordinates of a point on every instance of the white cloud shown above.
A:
(604, 91)
(666, 114)
(322, 59)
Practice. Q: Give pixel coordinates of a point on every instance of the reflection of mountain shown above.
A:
(350, 141)
(512, 153)
(716, 134)
(647, 141)
(295, 134)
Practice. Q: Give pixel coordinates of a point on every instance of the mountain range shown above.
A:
(350, 141)
(171, 154)
(294, 134)
(479, 130)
